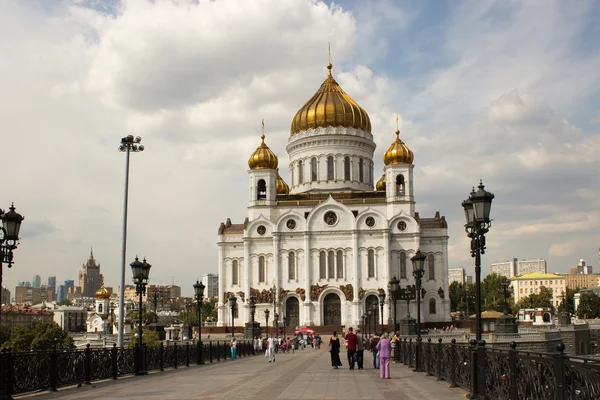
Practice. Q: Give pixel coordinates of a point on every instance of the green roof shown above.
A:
(538, 275)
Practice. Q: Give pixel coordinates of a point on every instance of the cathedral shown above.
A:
(320, 248)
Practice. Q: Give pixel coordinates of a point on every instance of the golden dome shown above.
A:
(263, 157)
(282, 187)
(380, 186)
(330, 106)
(102, 293)
(398, 152)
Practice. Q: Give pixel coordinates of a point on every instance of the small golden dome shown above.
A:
(330, 106)
(102, 293)
(380, 186)
(263, 157)
(282, 187)
(398, 152)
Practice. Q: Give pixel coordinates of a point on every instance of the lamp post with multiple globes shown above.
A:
(9, 239)
(381, 296)
(141, 273)
(232, 301)
(199, 294)
(267, 321)
(394, 286)
(418, 261)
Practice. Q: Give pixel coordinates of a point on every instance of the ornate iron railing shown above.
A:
(492, 373)
(22, 372)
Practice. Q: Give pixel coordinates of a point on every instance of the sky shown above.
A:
(504, 91)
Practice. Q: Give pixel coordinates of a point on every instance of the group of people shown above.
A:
(356, 343)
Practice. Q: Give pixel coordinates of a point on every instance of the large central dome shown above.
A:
(330, 106)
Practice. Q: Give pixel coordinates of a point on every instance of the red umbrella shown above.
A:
(306, 330)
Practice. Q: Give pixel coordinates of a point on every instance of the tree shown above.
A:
(149, 338)
(42, 336)
(4, 334)
(492, 293)
(457, 296)
(148, 317)
(568, 305)
(589, 305)
(65, 302)
(537, 300)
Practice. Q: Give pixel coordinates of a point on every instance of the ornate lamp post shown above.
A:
(477, 214)
(252, 315)
(369, 314)
(374, 308)
(128, 145)
(394, 286)
(418, 261)
(232, 300)
(285, 322)
(275, 315)
(9, 239)
(267, 321)
(363, 317)
(381, 296)
(141, 273)
(199, 292)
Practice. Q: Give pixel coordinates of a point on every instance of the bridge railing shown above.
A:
(507, 374)
(22, 372)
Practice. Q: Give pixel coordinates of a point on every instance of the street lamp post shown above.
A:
(232, 300)
(418, 261)
(381, 296)
(267, 321)
(369, 313)
(252, 315)
(140, 272)
(9, 239)
(362, 327)
(394, 285)
(199, 292)
(275, 315)
(285, 322)
(477, 215)
(375, 312)
(128, 145)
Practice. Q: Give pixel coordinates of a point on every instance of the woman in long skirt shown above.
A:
(334, 349)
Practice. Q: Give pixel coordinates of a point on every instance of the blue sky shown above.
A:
(504, 91)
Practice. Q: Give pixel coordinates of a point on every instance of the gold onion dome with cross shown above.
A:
(282, 187)
(102, 293)
(263, 157)
(330, 106)
(398, 152)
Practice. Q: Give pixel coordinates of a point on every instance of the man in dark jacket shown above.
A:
(351, 346)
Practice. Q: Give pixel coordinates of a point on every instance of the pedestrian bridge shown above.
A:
(305, 374)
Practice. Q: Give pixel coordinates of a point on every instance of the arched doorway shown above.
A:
(292, 311)
(372, 303)
(332, 310)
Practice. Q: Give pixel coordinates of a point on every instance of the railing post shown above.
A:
(481, 369)
(114, 361)
(187, 354)
(175, 355)
(453, 364)
(512, 364)
(161, 357)
(410, 353)
(559, 373)
(406, 350)
(88, 364)
(440, 359)
(218, 351)
(210, 351)
(429, 357)
(53, 369)
(474, 391)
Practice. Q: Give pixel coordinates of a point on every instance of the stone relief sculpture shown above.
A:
(441, 292)
(226, 297)
(302, 293)
(241, 295)
(264, 296)
(282, 293)
(316, 290)
(361, 293)
(348, 291)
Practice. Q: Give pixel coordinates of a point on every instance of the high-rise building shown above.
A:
(506, 268)
(5, 296)
(529, 266)
(52, 283)
(37, 281)
(90, 279)
(456, 275)
(61, 293)
(211, 282)
(469, 279)
(582, 268)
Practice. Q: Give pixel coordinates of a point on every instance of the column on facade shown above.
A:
(247, 280)
(357, 279)
(276, 266)
(221, 285)
(386, 260)
(307, 317)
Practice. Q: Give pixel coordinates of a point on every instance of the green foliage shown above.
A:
(65, 302)
(458, 299)
(537, 300)
(568, 305)
(148, 317)
(589, 305)
(149, 338)
(492, 293)
(41, 337)
(190, 318)
(4, 334)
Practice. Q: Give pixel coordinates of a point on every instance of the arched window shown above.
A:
(360, 170)
(346, 168)
(400, 185)
(300, 172)
(431, 265)
(322, 265)
(262, 275)
(371, 263)
(100, 308)
(432, 306)
(402, 265)
(234, 273)
(313, 169)
(340, 264)
(292, 265)
(330, 168)
(330, 265)
(261, 190)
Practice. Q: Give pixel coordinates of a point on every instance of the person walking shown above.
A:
(271, 348)
(233, 348)
(351, 347)
(374, 342)
(385, 353)
(360, 348)
(334, 349)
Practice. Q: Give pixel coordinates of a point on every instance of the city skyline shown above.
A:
(486, 91)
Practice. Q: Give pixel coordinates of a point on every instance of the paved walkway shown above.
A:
(307, 374)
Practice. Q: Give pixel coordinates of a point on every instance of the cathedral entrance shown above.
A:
(292, 311)
(332, 310)
(372, 303)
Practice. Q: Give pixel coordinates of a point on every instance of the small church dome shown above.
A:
(282, 187)
(263, 157)
(102, 293)
(398, 152)
(380, 186)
